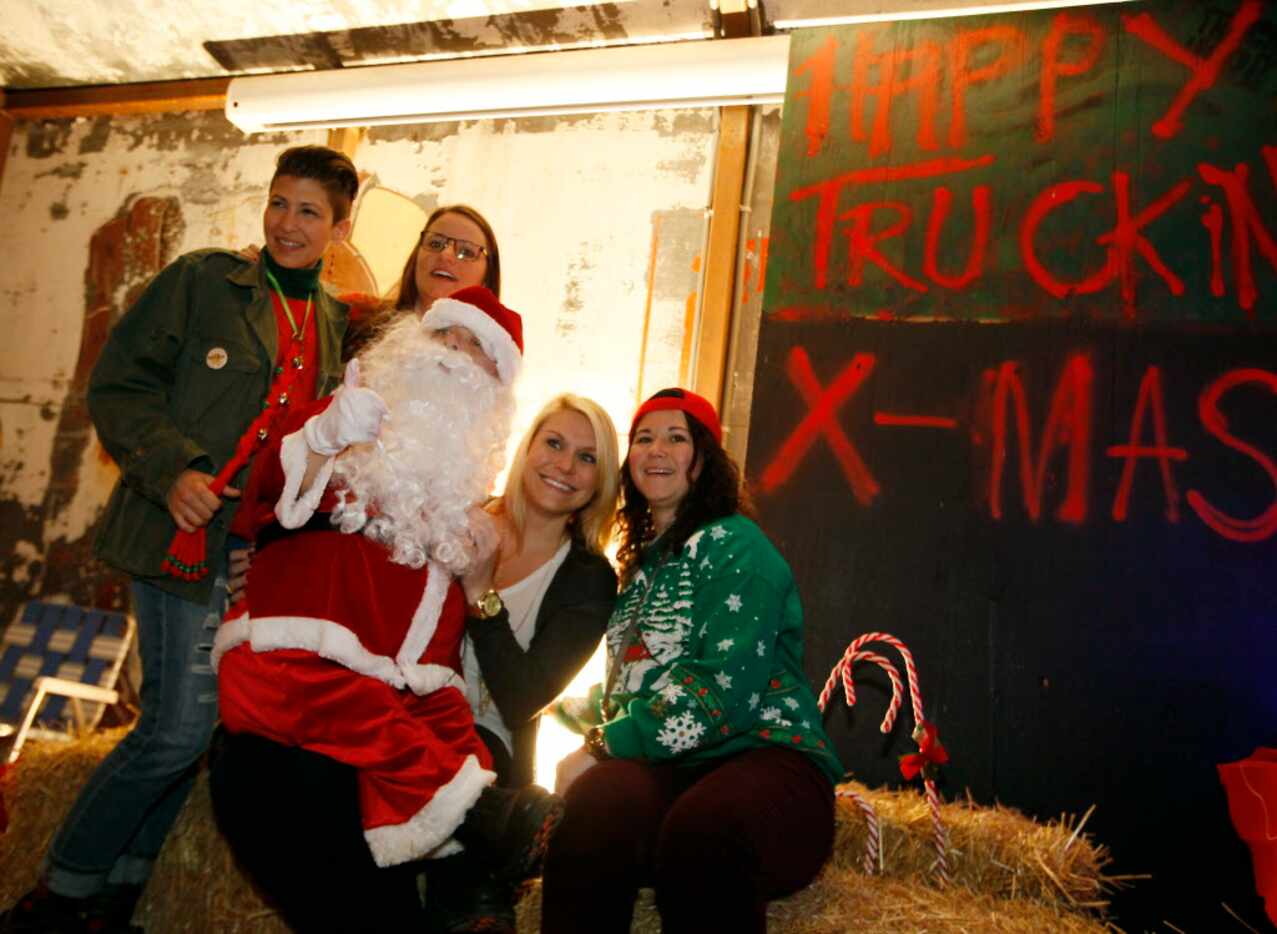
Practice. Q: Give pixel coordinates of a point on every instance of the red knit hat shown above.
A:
(499, 329)
(683, 400)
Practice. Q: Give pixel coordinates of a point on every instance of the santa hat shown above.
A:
(682, 400)
(499, 329)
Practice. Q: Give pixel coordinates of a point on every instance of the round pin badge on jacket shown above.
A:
(216, 358)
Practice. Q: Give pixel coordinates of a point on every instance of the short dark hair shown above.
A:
(332, 169)
(716, 493)
(408, 293)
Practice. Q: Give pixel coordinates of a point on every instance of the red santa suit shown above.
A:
(340, 650)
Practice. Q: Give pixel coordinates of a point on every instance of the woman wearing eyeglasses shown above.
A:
(456, 249)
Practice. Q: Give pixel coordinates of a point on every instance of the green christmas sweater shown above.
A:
(716, 663)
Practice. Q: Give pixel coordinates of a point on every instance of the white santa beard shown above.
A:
(438, 454)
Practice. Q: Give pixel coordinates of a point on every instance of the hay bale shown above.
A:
(1010, 874)
(994, 851)
(843, 900)
(38, 792)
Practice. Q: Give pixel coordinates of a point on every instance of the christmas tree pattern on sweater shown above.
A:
(715, 662)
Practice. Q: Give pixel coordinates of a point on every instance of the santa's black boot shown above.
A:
(510, 828)
(42, 911)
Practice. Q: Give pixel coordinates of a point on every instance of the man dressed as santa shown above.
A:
(347, 641)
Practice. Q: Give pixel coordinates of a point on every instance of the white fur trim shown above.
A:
(426, 679)
(496, 340)
(429, 831)
(334, 642)
(426, 617)
(324, 637)
(294, 508)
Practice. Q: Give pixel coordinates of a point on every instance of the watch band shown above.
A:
(596, 743)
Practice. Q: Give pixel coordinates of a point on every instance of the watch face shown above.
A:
(490, 603)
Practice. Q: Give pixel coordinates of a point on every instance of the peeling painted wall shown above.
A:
(93, 208)
(600, 221)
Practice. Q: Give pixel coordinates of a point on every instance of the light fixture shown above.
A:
(641, 77)
(805, 14)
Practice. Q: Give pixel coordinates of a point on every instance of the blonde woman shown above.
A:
(538, 610)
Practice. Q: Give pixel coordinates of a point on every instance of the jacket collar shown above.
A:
(330, 321)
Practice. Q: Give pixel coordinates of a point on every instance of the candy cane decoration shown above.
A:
(849, 689)
(854, 653)
(872, 860)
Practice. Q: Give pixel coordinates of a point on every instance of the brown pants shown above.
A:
(717, 842)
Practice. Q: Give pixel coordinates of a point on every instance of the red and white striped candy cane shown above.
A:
(872, 860)
(911, 670)
(855, 652)
(844, 667)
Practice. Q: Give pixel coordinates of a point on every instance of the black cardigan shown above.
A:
(572, 618)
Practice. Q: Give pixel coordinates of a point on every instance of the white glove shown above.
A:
(353, 417)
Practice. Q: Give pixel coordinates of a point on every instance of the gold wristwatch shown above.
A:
(488, 605)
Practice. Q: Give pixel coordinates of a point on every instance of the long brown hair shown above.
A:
(717, 492)
(407, 293)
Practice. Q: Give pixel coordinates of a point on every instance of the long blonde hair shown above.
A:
(593, 523)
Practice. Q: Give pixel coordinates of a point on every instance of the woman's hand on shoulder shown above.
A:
(250, 252)
(241, 559)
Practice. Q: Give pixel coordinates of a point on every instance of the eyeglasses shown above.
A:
(463, 250)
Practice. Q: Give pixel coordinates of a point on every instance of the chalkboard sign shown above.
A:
(1016, 402)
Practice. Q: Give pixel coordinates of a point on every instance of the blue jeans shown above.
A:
(118, 824)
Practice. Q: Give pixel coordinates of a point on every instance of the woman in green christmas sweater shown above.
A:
(705, 771)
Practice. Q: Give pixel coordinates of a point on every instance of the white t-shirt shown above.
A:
(522, 602)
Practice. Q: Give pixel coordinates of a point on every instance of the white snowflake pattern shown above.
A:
(734, 602)
(680, 733)
(761, 648)
(718, 533)
(791, 703)
(672, 692)
(725, 644)
(753, 700)
(724, 680)
(770, 714)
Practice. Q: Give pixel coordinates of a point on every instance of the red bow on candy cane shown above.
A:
(930, 753)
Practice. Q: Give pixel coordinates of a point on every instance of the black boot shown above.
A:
(510, 829)
(42, 911)
(463, 897)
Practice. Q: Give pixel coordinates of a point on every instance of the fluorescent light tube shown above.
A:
(922, 9)
(639, 77)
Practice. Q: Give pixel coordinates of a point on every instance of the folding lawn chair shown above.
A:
(59, 666)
